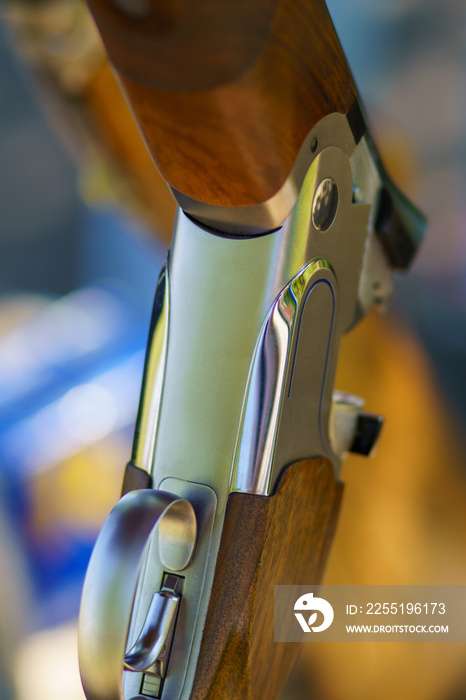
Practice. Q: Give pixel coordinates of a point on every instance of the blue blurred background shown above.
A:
(78, 269)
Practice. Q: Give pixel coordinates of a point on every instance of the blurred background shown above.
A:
(84, 224)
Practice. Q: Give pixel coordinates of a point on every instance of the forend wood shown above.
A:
(262, 545)
(225, 92)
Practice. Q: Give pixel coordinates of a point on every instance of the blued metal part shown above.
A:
(399, 225)
(357, 121)
(367, 433)
(112, 578)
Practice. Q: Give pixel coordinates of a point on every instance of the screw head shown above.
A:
(325, 204)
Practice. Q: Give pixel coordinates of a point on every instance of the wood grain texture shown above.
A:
(267, 541)
(226, 107)
(148, 193)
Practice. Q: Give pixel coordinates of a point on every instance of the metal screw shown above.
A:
(325, 204)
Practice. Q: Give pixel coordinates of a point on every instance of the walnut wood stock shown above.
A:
(267, 541)
(225, 91)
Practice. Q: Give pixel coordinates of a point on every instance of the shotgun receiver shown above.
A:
(288, 231)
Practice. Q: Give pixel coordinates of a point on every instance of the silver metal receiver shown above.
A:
(239, 383)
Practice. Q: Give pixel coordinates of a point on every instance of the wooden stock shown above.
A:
(225, 91)
(267, 541)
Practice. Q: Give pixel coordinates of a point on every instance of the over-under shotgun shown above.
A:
(288, 231)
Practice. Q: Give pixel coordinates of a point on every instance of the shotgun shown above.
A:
(288, 231)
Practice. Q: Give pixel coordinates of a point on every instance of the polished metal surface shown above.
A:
(324, 205)
(112, 579)
(237, 306)
(240, 371)
(272, 364)
(152, 638)
(154, 577)
(154, 369)
(294, 362)
(155, 674)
